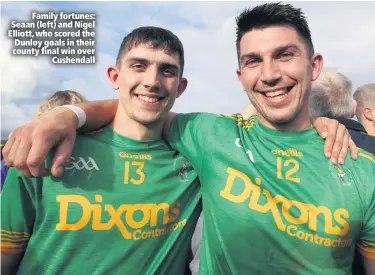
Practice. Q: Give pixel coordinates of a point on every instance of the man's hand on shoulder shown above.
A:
(338, 139)
(29, 145)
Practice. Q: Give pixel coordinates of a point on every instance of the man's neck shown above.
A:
(299, 123)
(127, 127)
(370, 127)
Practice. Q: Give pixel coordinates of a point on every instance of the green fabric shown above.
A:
(121, 207)
(272, 202)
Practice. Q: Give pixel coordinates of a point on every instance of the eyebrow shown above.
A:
(145, 61)
(137, 59)
(285, 47)
(277, 51)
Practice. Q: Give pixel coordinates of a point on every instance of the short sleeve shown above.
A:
(366, 244)
(188, 134)
(17, 212)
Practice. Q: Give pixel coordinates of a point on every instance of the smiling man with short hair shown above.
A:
(272, 202)
(121, 207)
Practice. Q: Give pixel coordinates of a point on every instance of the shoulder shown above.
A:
(92, 140)
(365, 142)
(365, 158)
(194, 117)
(90, 135)
(363, 167)
(236, 119)
(191, 124)
(239, 120)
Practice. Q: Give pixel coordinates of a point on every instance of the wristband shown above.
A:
(81, 115)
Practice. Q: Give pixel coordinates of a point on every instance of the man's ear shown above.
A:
(316, 65)
(239, 76)
(354, 107)
(113, 76)
(238, 72)
(181, 86)
(369, 113)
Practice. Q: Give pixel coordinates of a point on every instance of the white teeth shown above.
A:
(276, 93)
(148, 99)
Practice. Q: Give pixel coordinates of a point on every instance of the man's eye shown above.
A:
(138, 66)
(168, 72)
(251, 62)
(285, 56)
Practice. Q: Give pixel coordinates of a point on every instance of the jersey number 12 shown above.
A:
(294, 167)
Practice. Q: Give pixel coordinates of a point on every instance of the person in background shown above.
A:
(249, 193)
(365, 97)
(56, 99)
(4, 168)
(60, 98)
(332, 97)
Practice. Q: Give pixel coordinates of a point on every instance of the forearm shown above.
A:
(98, 114)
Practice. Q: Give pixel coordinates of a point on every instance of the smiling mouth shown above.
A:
(277, 94)
(150, 99)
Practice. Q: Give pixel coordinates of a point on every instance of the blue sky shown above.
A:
(341, 31)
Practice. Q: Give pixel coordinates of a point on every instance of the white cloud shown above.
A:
(342, 32)
(22, 10)
(20, 76)
(211, 63)
(92, 81)
(14, 115)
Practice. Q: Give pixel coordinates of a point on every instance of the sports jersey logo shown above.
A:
(315, 224)
(135, 156)
(77, 212)
(291, 152)
(81, 163)
(341, 173)
(181, 168)
(248, 152)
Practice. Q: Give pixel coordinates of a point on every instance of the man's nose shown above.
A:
(270, 74)
(151, 79)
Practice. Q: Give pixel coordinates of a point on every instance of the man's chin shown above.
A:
(148, 120)
(279, 119)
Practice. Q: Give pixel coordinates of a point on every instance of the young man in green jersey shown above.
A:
(127, 203)
(272, 204)
(260, 217)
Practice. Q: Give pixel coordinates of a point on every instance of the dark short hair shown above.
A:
(272, 14)
(157, 38)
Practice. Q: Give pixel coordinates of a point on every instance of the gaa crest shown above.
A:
(181, 167)
(341, 173)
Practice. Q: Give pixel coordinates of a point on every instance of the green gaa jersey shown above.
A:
(272, 202)
(121, 207)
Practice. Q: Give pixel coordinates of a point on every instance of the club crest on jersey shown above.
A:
(341, 173)
(181, 168)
